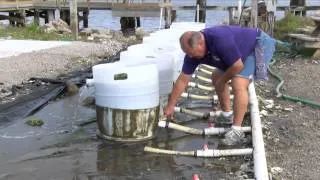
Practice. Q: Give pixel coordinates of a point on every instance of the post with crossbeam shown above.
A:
(201, 11)
(74, 18)
(298, 3)
(254, 13)
(167, 14)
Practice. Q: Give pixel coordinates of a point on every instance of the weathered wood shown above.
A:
(136, 13)
(254, 13)
(36, 18)
(50, 14)
(231, 12)
(167, 15)
(85, 18)
(202, 10)
(74, 18)
(306, 41)
(11, 16)
(297, 7)
(316, 31)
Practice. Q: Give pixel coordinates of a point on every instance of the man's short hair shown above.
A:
(193, 38)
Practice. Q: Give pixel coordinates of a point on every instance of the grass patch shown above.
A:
(290, 24)
(33, 31)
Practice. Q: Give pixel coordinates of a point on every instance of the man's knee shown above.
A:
(239, 84)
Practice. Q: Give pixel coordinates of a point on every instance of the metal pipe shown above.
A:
(206, 131)
(259, 157)
(202, 152)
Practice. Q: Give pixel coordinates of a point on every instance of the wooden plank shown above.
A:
(305, 37)
(135, 13)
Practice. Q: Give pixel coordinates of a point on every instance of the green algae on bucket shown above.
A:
(33, 121)
(127, 125)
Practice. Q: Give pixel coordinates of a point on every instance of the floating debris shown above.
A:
(34, 122)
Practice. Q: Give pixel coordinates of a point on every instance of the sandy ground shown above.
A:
(292, 136)
(54, 61)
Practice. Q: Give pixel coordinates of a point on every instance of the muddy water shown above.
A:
(61, 150)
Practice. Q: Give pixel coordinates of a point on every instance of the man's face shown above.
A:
(196, 52)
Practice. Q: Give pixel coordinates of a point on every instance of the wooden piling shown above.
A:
(167, 15)
(254, 13)
(297, 7)
(74, 18)
(11, 15)
(202, 11)
(85, 17)
(232, 11)
(36, 17)
(65, 16)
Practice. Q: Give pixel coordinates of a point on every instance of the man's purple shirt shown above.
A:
(225, 45)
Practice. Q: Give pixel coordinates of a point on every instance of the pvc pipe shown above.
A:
(202, 78)
(193, 113)
(89, 82)
(198, 85)
(199, 114)
(206, 131)
(203, 87)
(213, 98)
(259, 157)
(204, 71)
(208, 66)
(202, 152)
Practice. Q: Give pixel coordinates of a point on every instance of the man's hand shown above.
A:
(169, 112)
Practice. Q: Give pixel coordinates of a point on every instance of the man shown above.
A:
(233, 51)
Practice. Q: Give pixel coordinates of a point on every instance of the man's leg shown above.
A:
(240, 101)
(224, 96)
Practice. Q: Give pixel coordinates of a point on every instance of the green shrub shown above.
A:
(290, 24)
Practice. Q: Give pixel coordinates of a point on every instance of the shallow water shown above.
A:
(58, 151)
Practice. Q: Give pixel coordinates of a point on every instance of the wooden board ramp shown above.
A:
(137, 9)
(309, 41)
(7, 5)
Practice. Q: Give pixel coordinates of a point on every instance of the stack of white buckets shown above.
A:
(131, 94)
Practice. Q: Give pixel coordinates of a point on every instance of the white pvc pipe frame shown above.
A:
(196, 113)
(214, 98)
(202, 152)
(205, 132)
(259, 156)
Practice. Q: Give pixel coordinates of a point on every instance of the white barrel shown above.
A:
(121, 87)
(168, 47)
(139, 55)
(188, 26)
